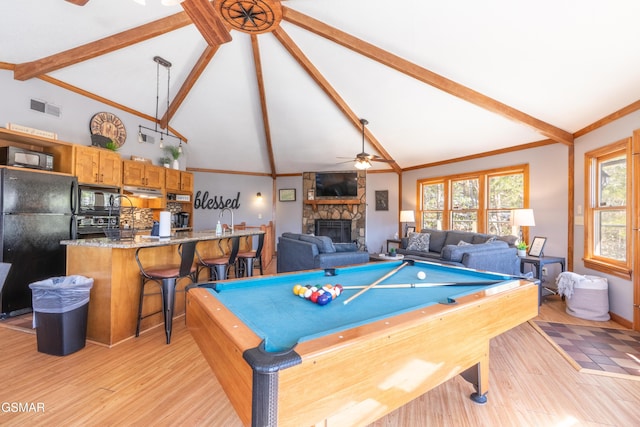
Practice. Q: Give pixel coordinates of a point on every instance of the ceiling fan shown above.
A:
(363, 160)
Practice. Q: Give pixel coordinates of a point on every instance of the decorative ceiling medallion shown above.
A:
(109, 125)
(251, 16)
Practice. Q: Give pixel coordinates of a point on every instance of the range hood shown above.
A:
(142, 192)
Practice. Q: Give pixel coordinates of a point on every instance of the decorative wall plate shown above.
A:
(109, 125)
(251, 16)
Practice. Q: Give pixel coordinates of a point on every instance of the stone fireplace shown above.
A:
(351, 210)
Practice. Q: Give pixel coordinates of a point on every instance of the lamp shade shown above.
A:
(407, 216)
(523, 218)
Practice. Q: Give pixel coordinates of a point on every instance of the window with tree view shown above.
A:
(481, 201)
(607, 208)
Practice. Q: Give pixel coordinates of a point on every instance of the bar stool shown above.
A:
(219, 267)
(167, 277)
(249, 259)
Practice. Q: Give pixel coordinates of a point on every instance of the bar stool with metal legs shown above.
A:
(167, 277)
(247, 260)
(219, 266)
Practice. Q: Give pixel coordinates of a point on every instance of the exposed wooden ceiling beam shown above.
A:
(208, 21)
(94, 49)
(263, 103)
(424, 75)
(295, 51)
(186, 87)
(104, 100)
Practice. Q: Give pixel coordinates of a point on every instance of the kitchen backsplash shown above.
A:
(143, 217)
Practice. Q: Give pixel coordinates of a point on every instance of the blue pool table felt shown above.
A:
(268, 306)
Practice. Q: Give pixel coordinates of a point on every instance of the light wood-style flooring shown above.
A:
(143, 381)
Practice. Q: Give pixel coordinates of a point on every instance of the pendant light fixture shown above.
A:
(362, 159)
(141, 138)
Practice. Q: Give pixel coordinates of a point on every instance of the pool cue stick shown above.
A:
(421, 285)
(366, 288)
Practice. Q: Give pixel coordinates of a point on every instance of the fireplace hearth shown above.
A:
(339, 230)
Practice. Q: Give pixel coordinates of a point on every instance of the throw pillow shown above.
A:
(324, 243)
(491, 239)
(463, 243)
(418, 242)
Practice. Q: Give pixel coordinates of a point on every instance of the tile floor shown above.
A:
(613, 351)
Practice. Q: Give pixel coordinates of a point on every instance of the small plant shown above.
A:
(165, 160)
(521, 246)
(172, 151)
(111, 145)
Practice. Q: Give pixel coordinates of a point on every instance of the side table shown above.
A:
(538, 263)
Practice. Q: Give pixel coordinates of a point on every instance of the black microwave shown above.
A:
(14, 156)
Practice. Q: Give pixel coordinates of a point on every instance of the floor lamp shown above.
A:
(407, 217)
(523, 218)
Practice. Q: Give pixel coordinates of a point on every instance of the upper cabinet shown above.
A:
(97, 166)
(143, 174)
(178, 181)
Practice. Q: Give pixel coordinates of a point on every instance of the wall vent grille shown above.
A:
(46, 108)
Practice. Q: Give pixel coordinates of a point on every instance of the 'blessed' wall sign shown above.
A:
(203, 201)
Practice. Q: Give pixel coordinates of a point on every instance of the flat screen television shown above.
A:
(337, 184)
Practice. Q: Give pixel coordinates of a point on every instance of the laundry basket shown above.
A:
(587, 297)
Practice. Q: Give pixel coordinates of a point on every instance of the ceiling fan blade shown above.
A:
(78, 2)
(379, 159)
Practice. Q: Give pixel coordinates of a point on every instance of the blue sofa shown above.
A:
(298, 252)
(466, 249)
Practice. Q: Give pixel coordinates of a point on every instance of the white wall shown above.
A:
(620, 290)
(224, 187)
(381, 225)
(73, 124)
(289, 214)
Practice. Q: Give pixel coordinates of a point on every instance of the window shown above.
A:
(464, 204)
(480, 202)
(433, 197)
(607, 210)
(505, 193)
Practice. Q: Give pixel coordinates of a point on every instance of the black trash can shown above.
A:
(60, 309)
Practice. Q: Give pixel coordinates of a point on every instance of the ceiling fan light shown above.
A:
(362, 164)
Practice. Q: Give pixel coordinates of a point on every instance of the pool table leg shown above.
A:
(478, 376)
(266, 367)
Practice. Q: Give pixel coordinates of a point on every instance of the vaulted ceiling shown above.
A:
(436, 80)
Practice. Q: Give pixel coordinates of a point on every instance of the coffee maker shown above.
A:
(183, 220)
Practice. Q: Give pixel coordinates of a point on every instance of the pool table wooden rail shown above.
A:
(356, 376)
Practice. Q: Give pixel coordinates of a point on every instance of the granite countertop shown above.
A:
(142, 241)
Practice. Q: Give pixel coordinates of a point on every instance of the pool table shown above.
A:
(283, 360)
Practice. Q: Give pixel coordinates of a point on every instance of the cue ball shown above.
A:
(421, 275)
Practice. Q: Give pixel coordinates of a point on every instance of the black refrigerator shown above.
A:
(38, 211)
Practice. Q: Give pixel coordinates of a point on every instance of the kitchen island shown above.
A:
(113, 304)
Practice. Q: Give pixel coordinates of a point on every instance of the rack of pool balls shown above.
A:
(317, 294)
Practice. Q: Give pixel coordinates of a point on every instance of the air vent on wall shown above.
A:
(44, 107)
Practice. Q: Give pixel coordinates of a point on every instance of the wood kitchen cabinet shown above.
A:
(143, 174)
(97, 166)
(176, 180)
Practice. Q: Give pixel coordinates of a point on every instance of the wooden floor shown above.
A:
(143, 381)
